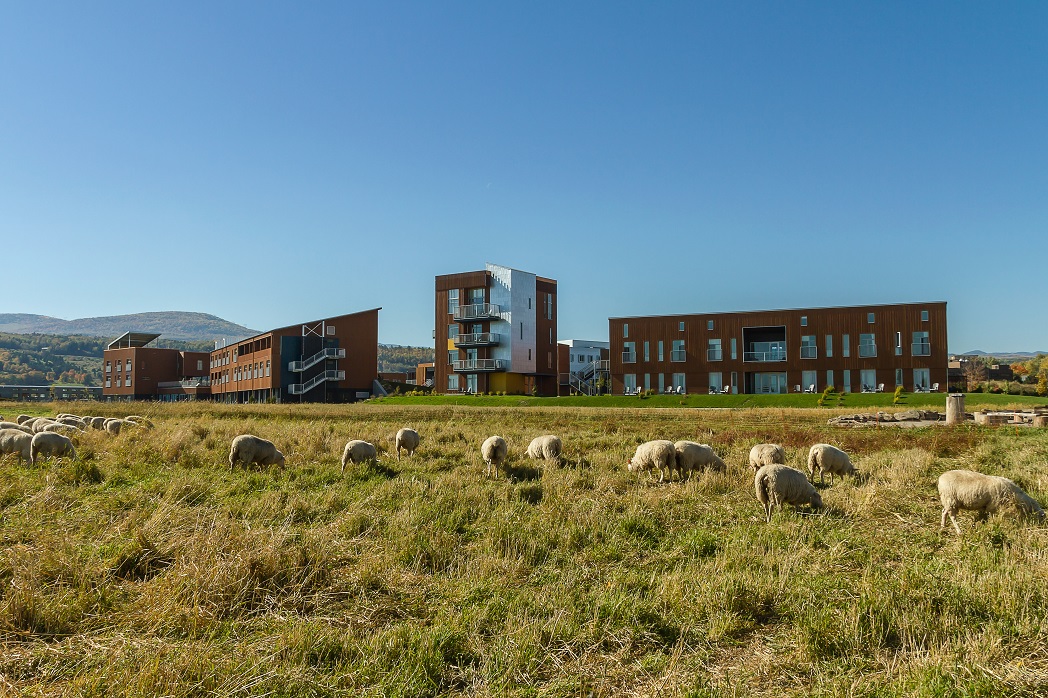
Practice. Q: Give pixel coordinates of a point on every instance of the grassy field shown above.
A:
(853, 402)
(149, 568)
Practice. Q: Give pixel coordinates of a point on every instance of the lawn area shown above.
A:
(148, 567)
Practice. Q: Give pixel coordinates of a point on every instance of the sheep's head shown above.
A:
(279, 459)
(629, 465)
(816, 501)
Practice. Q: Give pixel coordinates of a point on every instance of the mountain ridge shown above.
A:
(171, 324)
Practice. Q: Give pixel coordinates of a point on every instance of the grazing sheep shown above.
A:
(115, 426)
(72, 421)
(16, 441)
(22, 418)
(98, 423)
(61, 429)
(694, 456)
(139, 420)
(40, 424)
(48, 443)
(251, 450)
(407, 439)
(829, 459)
(965, 489)
(545, 447)
(652, 455)
(358, 451)
(777, 485)
(494, 450)
(12, 425)
(766, 454)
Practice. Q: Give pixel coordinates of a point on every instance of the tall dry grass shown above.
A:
(149, 568)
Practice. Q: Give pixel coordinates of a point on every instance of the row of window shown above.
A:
(871, 318)
(809, 381)
(255, 370)
(776, 351)
(119, 384)
(109, 367)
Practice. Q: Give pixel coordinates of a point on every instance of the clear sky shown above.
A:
(277, 162)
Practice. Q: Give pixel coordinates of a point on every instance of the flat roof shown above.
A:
(132, 339)
(778, 310)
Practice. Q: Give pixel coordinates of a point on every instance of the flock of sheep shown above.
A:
(43, 437)
(775, 484)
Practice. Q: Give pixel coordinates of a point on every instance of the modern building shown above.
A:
(329, 360)
(581, 365)
(46, 393)
(496, 330)
(133, 370)
(853, 349)
(424, 375)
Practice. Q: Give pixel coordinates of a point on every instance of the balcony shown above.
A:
(678, 355)
(479, 365)
(479, 311)
(629, 357)
(477, 339)
(922, 349)
(187, 383)
(809, 352)
(764, 356)
(714, 355)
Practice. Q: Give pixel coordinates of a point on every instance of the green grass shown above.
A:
(149, 568)
(860, 401)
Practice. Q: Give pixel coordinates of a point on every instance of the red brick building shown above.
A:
(133, 370)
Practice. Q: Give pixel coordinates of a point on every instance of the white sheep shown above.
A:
(98, 423)
(494, 450)
(829, 459)
(766, 454)
(12, 425)
(48, 443)
(694, 456)
(546, 447)
(651, 455)
(965, 489)
(777, 485)
(42, 423)
(358, 451)
(407, 439)
(72, 421)
(252, 450)
(16, 441)
(115, 426)
(139, 420)
(62, 429)
(22, 418)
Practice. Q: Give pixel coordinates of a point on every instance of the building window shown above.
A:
(716, 382)
(267, 368)
(200, 364)
(898, 348)
(127, 383)
(714, 351)
(734, 383)
(869, 318)
(128, 365)
(662, 356)
(529, 303)
(847, 381)
(647, 381)
(476, 296)
(662, 382)
(677, 353)
(647, 351)
(678, 383)
(924, 316)
(453, 356)
(921, 344)
(629, 352)
(453, 381)
(734, 349)
(898, 377)
(453, 304)
(709, 325)
(680, 326)
(119, 383)
(809, 379)
(109, 382)
(453, 330)
(867, 346)
(625, 329)
(529, 354)
(845, 346)
(829, 379)
(868, 378)
(921, 379)
(109, 368)
(522, 330)
(804, 320)
(808, 348)
(829, 346)
(629, 382)
(549, 306)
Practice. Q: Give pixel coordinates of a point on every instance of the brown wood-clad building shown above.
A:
(132, 370)
(329, 360)
(860, 348)
(495, 331)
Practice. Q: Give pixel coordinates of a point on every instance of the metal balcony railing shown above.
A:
(302, 388)
(478, 365)
(678, 355)
(477, 339)
(922, 349)
(629, 357)
(322, 355)
(809, 352)
(478, 311)
(764, 356)
(191, 383)
(714, 355)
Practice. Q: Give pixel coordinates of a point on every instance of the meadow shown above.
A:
(147, 567)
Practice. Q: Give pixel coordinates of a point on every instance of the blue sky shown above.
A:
(276, 162)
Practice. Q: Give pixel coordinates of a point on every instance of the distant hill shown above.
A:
(395, 358)
(1017, 355)
(170, 324)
